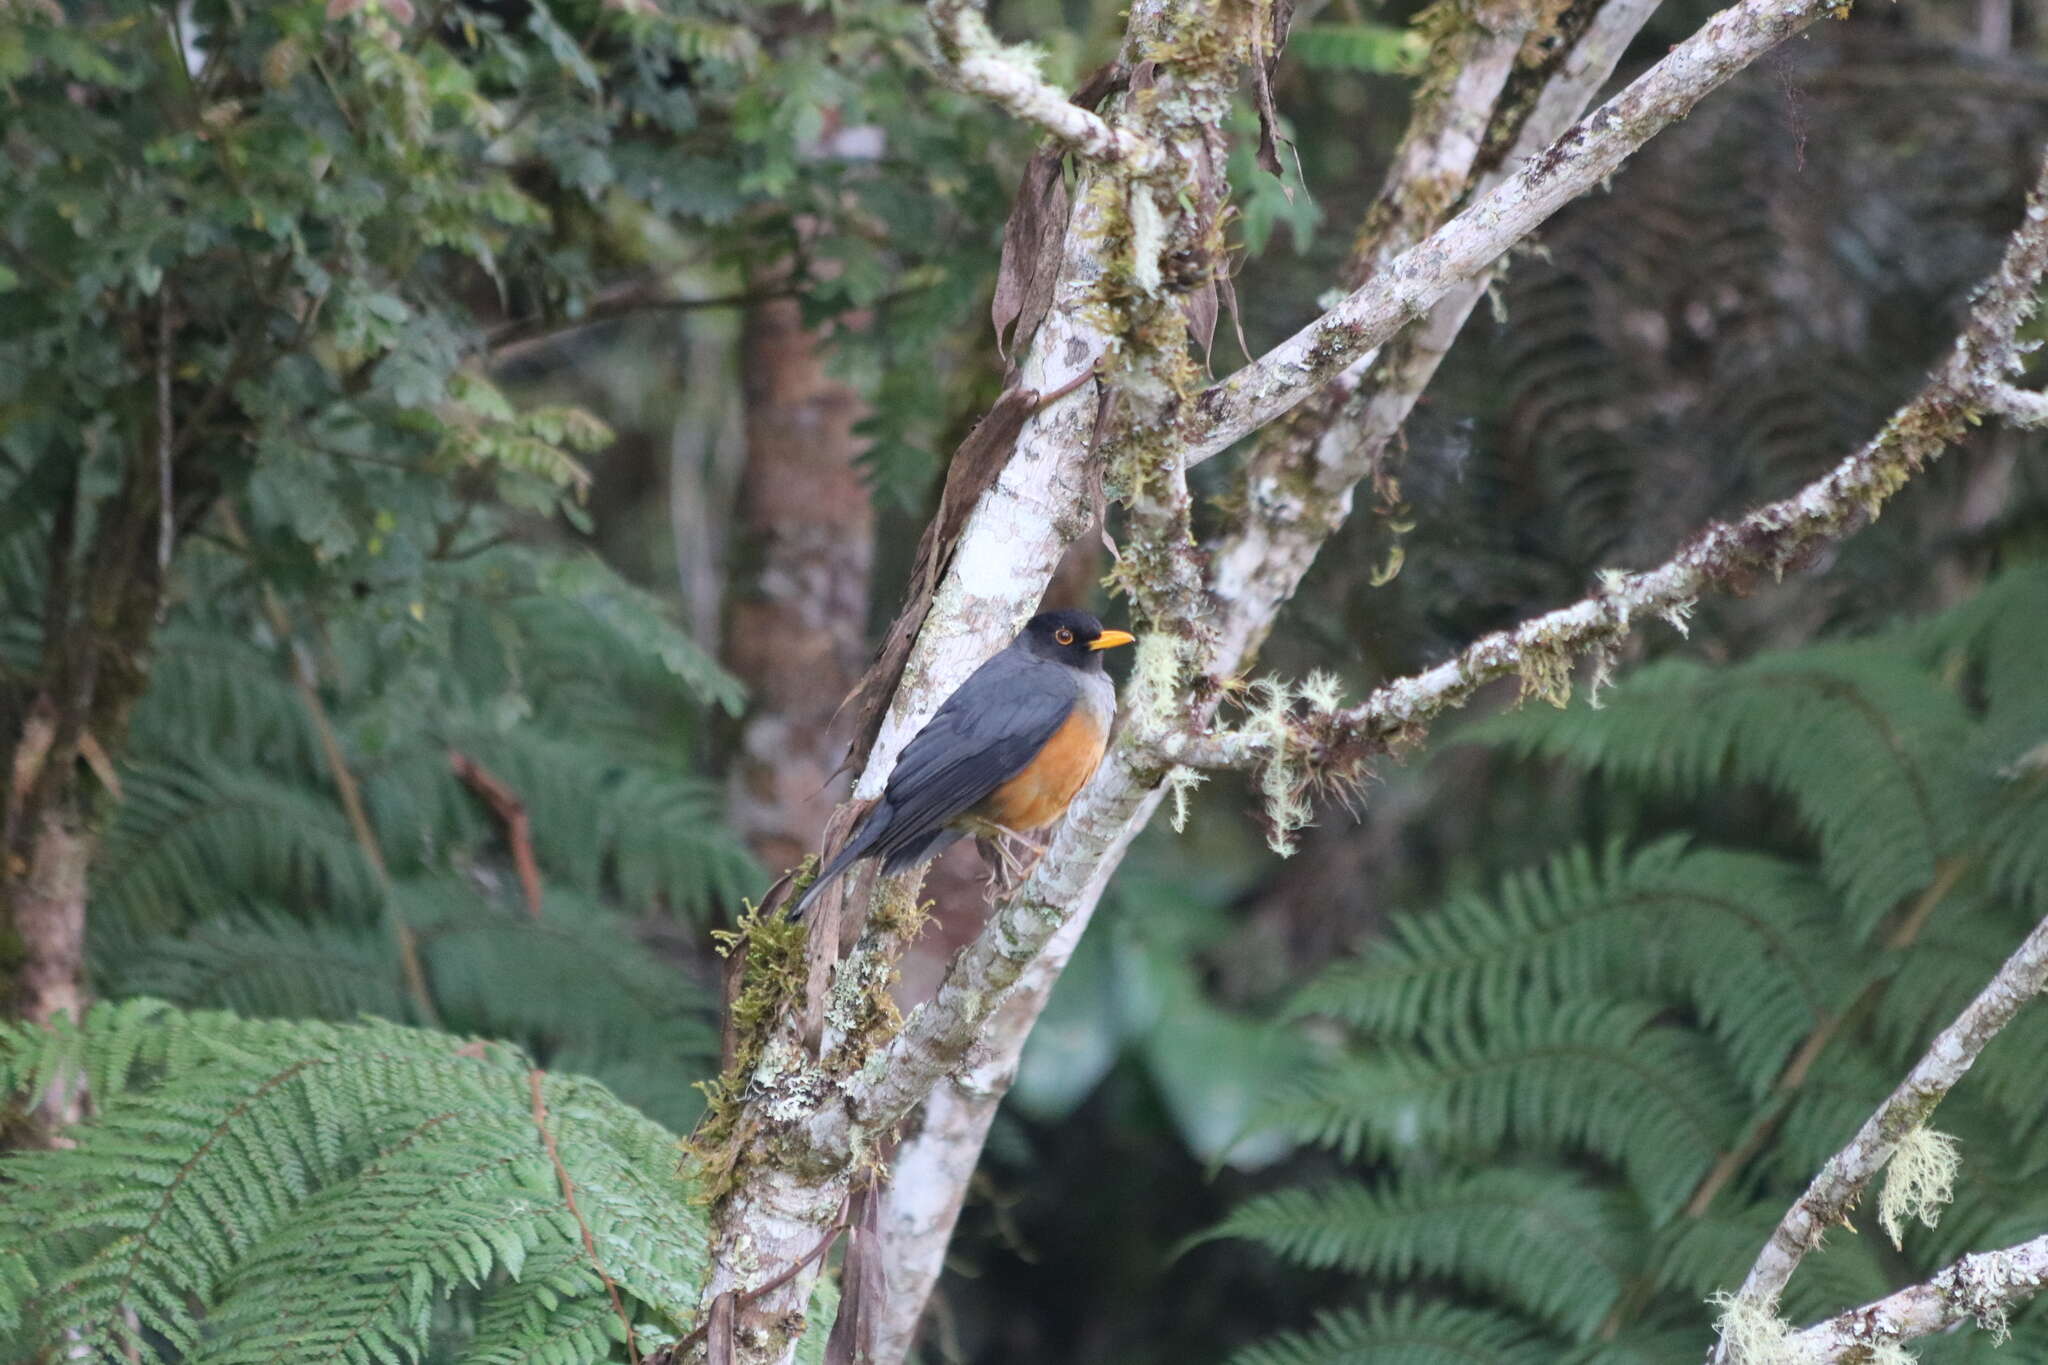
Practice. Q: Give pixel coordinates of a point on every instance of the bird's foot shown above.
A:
(1003, 851)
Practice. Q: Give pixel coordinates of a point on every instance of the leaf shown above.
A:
(1033, 242)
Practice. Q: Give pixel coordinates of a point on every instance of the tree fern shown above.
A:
(1497, 1230)
(1661, 1043)
(1599, 1074)
(1403, 1332)
(257, 1190)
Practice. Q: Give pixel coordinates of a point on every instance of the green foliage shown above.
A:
(1581, 1101)
(1356, 47)
(250, 1191)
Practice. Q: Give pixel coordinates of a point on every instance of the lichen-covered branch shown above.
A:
(1981, 1288)
(1008, 78)
(1299, 481)
(1841, 1182)
(1586, 154)
(1770, 540)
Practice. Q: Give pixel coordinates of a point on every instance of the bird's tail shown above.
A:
(863, 839)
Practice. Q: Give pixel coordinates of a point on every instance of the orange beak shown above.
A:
(1110, 639)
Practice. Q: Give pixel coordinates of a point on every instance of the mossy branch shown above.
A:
(1586, 154)
(1981, 1288)
(1841, 1182)
(1778, 536)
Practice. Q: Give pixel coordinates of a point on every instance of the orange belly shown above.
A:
(1040, 794)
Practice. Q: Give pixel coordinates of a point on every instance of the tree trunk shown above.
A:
(796, 627)
(100, 613)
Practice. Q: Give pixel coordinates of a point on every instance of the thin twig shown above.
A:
(624, 301)
(540, 1121)
(505, 803)
(744, 1297)
(1980, 1287)
(1770, 540)
(165, 518)
(1835, 1190)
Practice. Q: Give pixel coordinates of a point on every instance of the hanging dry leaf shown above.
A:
(1265, 56)
(1032, 242)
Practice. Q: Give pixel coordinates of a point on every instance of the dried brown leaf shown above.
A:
(1032, 242)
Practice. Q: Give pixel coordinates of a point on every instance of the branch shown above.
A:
(1773, 538)
(511, 811)
(1007, 77)
(1980, 1287)
(1834, 1191)
(1585, 155)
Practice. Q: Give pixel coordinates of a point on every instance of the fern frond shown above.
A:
(304, 1188)
(215, 694)
(265, 966)
(1497, 1231)
(1742, 938)
(572, 987)
(185, 832)
(1601, 1076)
(1794, 722)
(1403, 1331)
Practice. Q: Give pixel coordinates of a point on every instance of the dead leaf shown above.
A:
(1265, 56)
(1200, 306)
(718, 1342)
(1226, 288)
(1032, 246)
(863, 1290)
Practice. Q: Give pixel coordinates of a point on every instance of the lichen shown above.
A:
(775, 970)
(1752, 1333)
(1919, 1181)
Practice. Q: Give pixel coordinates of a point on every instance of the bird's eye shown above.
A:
(1063, 635)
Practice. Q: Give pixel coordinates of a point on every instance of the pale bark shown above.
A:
(1008, 78)
(1841, 1182)
(1772, 539)
(1257, 570)
(1979, 1288)
(796, 1183)
(823, 1119)
(1586, 154)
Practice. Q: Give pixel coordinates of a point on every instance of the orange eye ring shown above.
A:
(1063, 635)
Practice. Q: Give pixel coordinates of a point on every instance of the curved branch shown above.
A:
(1585, 155)
(1772, 539)
(1980, 1287)
(1007, 78)
(1835, 1190)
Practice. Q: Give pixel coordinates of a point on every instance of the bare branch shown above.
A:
(1981, 1287)
(1008, 78)
(1586, 154)
(1835, 1190)
(1773, 538)
(2021, 407)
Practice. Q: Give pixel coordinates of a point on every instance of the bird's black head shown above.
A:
(1070, 637)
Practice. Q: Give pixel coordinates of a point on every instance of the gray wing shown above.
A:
(984, 735)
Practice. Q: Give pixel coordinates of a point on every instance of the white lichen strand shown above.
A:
(1842, 1181)
(1180, 783)
(1919, 1182)
(1752, 1333)
(1148, 239)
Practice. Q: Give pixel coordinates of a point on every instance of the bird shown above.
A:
(1005, 754)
